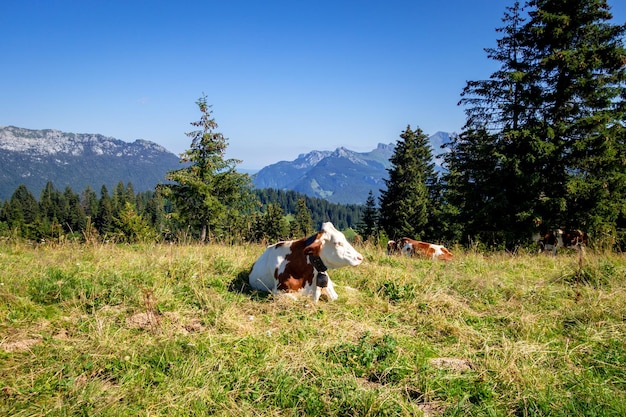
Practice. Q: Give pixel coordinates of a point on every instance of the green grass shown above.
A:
(172, 330)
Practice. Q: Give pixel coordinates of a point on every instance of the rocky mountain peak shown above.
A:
(34, 157)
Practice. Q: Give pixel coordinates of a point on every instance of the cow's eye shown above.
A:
(339, 243)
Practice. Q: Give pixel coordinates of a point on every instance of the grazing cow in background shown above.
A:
(554, 239)
(410, 247)
(392, 247)
(575, 238)
(299, 266)
(549, 241)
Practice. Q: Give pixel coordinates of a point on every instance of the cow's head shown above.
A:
(333, 248)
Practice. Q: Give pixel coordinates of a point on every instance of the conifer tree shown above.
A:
(104, 219)
(543, 134)
(23, 212)
(50, 204)
(580, 57)
(405, 204)
(273, 225)
(89, 202)
(368, 226)
(74, 218)
(208, 190)
(303, 221)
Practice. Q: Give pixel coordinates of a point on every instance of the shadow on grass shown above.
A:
(241, 285)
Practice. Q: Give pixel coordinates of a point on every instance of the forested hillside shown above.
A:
(34, 157)
(125, 216)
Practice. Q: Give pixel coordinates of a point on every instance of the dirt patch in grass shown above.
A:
(19, 345)
(453, 364)
(148, 320)
(432, 409)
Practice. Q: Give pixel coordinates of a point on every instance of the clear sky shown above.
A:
(284, 77)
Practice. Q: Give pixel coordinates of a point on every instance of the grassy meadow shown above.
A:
(167, 330)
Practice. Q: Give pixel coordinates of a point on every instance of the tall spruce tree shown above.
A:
(104, 218)
(303, 220)
(543, 134)
(405, 203)
(580, 57)
(22, 213)
(208, 190)
(272, 224)
(368, 226)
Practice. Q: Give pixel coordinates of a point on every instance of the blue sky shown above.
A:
(284, 77)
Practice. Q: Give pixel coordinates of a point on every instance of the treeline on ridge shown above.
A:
(125, 216)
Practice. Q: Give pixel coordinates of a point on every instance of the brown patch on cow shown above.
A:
(575, 238)
(298, 271)
(314, 248)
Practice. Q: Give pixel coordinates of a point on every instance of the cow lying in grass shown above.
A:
(299, 266)
(559, 238)
(412, 247)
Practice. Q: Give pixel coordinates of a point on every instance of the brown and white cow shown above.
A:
(410, 247)
(299, 266)
(392, 247)
(559, 238)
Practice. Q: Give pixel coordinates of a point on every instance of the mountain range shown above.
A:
(34, 157)
(340, 176)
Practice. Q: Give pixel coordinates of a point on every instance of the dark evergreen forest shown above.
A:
(125, 216)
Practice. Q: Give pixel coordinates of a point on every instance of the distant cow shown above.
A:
(392, 247)
(299, 266)
(554, 239)
(411, 247)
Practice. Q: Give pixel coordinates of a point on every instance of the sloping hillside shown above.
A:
(34, 157)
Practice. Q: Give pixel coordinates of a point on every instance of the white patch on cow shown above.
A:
(273, 259)
(438, 251)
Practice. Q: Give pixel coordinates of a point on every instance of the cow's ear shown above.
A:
(314, 248)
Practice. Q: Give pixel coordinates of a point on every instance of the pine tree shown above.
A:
(23, 212)
(405, 205)
(50, 206)
(580, 57)
(104, 219)
(368, 226)
(273, 225)
(543, 134)
(209, 190)
(89, 202)
(303, 221)
(74, 218)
